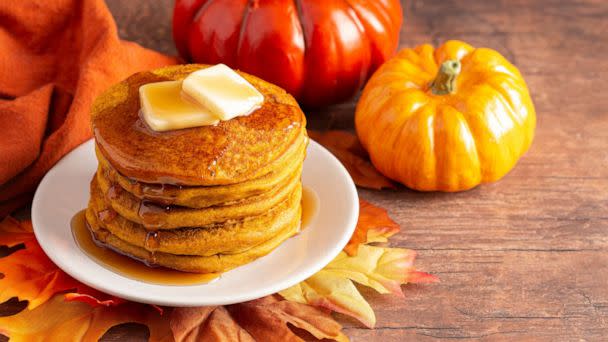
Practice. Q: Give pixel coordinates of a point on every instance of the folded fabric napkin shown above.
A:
(57, 56)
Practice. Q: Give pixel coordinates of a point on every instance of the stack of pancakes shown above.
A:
(204, 199)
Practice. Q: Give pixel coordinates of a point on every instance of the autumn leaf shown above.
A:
(29, 274)
(58, 320)
(333, 292)
(383, 269)
(264, 319)
(374, 225)
(86, 314)
(13, 233)
(347, 148)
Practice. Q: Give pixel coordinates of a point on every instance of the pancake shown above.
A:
(233, 151)
(230, 238)
(192, 263)
(159, 217)
(205, 196)
(202, 199)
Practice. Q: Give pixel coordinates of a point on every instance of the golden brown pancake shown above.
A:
(209, 240)
(192, 263)
(234, 151)
(155, 216)
(205, 196)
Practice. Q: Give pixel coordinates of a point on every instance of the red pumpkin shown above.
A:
(320, 51)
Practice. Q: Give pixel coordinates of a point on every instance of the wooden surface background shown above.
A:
(522, 259)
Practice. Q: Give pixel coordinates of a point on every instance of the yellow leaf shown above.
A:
(334, 292)
(383, 269)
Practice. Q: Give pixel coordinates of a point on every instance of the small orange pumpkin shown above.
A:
(445, 119)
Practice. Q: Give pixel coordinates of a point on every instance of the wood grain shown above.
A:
(522, 259)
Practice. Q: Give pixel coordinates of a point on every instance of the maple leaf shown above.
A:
(58, 320)
(383, 269)
(264, 319)
(374, 225)
(333, 292)
(29, 274)
(347, 148)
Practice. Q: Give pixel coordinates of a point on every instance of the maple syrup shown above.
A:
(127, 266)
(310, 206)
(150, 214)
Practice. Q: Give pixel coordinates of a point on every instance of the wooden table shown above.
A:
(527, 257)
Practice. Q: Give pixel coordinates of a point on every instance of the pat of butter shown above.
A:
(164, 108)
(224, 92)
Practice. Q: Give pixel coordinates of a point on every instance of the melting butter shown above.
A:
(205, 97)
(164, 108)
(223, 91)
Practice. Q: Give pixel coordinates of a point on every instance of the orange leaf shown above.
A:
(30, 275)
(264, 319)
(13, 233)
(209, 323)
(58, 320)
(347, 148)
(374, 225)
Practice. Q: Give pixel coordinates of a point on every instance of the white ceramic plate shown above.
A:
(65, 190)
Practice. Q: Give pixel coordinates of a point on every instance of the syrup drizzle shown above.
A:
(310, 207)
(152, 242)
(126, 265)
(151, 214)
(144, 270)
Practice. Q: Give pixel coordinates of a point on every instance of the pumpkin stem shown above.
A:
(445, 81)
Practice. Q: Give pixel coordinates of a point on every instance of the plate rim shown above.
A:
(275, 287)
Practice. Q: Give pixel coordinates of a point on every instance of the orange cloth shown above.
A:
(55, 57)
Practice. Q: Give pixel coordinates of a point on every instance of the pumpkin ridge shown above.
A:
(199, 12)
(426, 52)
(425, 74)
(512, 82)
(246, 12)
(464, 120)
(354, 17)
(489, 167)
(375, 48)
(403, 130)
(298, 5)
(430, 129)
(523, 141)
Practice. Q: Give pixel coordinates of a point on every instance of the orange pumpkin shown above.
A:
(445, 119)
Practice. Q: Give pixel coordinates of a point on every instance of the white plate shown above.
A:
(65, 190)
